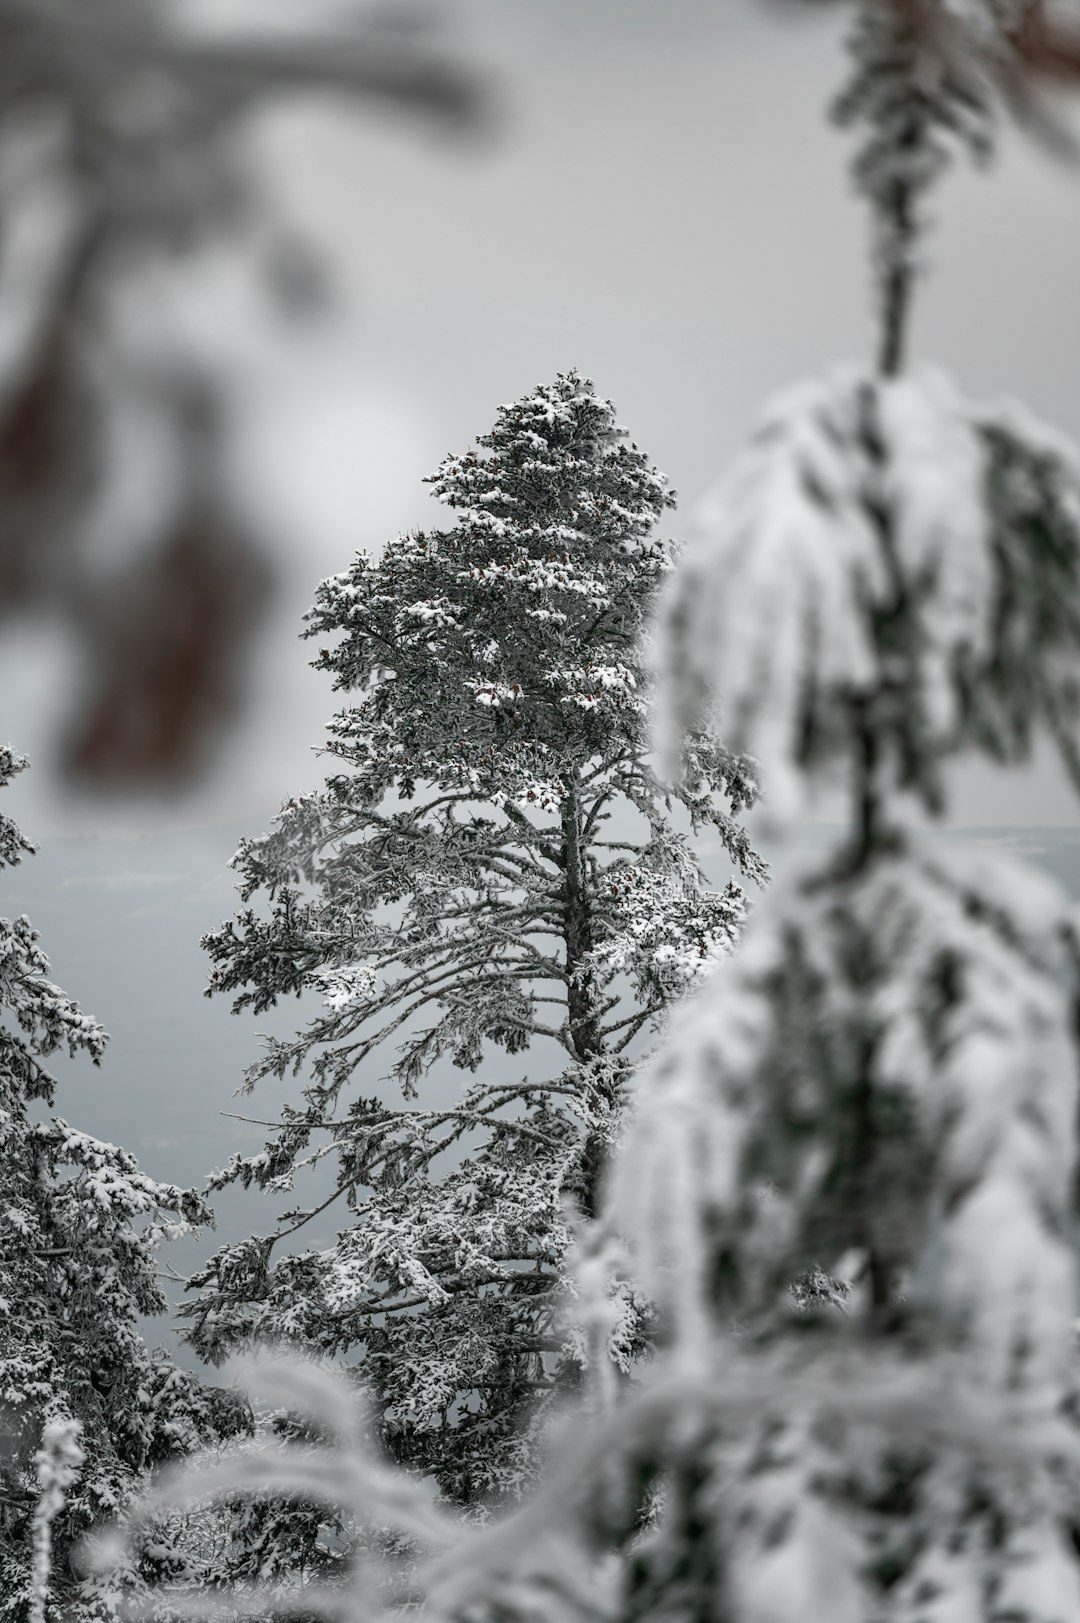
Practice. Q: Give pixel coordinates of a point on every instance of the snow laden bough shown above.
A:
(886, 1073)
(886, 571)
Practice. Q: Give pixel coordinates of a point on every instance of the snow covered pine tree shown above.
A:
(496, 851)
(79, 1229)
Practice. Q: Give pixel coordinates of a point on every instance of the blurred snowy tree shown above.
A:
(883, 1081)
(80, 1226)
(496, 863)
(122, 159)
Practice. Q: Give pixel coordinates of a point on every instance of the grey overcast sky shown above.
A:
(666, 209)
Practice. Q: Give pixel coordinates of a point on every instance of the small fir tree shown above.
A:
(495, 864)
(79, 1230)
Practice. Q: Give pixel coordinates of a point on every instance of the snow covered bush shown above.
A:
(86, 1410)
(495, 866)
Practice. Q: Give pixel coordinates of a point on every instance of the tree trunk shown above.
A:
(577, 935)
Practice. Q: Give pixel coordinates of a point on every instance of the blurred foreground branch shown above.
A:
(121, 154)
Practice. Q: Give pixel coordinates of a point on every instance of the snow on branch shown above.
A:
(866, 569)
(790, 1119)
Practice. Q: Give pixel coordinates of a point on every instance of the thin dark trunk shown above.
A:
(577, 935)
(581, 1011)
(898, 227)
(897, 281)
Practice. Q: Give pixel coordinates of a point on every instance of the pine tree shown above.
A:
(495, 865)
(79, 1232)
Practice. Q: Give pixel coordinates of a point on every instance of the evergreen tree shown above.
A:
(495, 864)
(79, 1232)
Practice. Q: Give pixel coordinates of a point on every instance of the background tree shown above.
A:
(495, 865)
(79, 1233)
